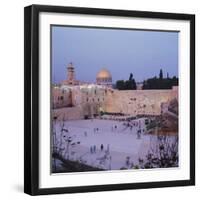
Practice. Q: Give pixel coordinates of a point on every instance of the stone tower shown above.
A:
(70, 73)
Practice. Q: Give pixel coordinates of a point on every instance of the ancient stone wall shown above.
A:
(61, 98)
(136, 102)
(79, 103)
(68, 113)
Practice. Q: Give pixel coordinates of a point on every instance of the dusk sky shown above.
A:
(122, 52)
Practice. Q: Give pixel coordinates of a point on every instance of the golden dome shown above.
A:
(104, 74)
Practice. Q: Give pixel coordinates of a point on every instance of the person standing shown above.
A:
(91, 150)
(101, 147)
(108, 148)
(127, 161)
(85, 133)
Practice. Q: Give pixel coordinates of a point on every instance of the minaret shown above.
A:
(70, 73)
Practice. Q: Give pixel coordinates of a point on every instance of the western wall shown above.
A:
(136, 102)
(91, 101)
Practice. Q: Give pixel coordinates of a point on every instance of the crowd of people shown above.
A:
(93, 148)
(102, 151)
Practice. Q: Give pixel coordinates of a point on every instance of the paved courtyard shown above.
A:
(105, 143)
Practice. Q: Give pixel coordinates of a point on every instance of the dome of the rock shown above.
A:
(104, 77)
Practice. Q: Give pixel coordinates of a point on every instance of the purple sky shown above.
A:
(122, 52)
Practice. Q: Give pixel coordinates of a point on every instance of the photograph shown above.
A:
(109, 99)
(114, 99)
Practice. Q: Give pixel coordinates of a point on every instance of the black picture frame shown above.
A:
(31, 98)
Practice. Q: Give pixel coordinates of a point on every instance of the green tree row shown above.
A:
(160, 83)
(129, 84)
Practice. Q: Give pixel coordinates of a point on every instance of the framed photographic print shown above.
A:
(109, 99)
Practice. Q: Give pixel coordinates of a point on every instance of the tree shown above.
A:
(120, 84)
(131, 77)
(175, 80)
(134, 87)
(160, 83)
(126, 84)
(164, 155)
(63, 141)
(161, 74)
(130, 85)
